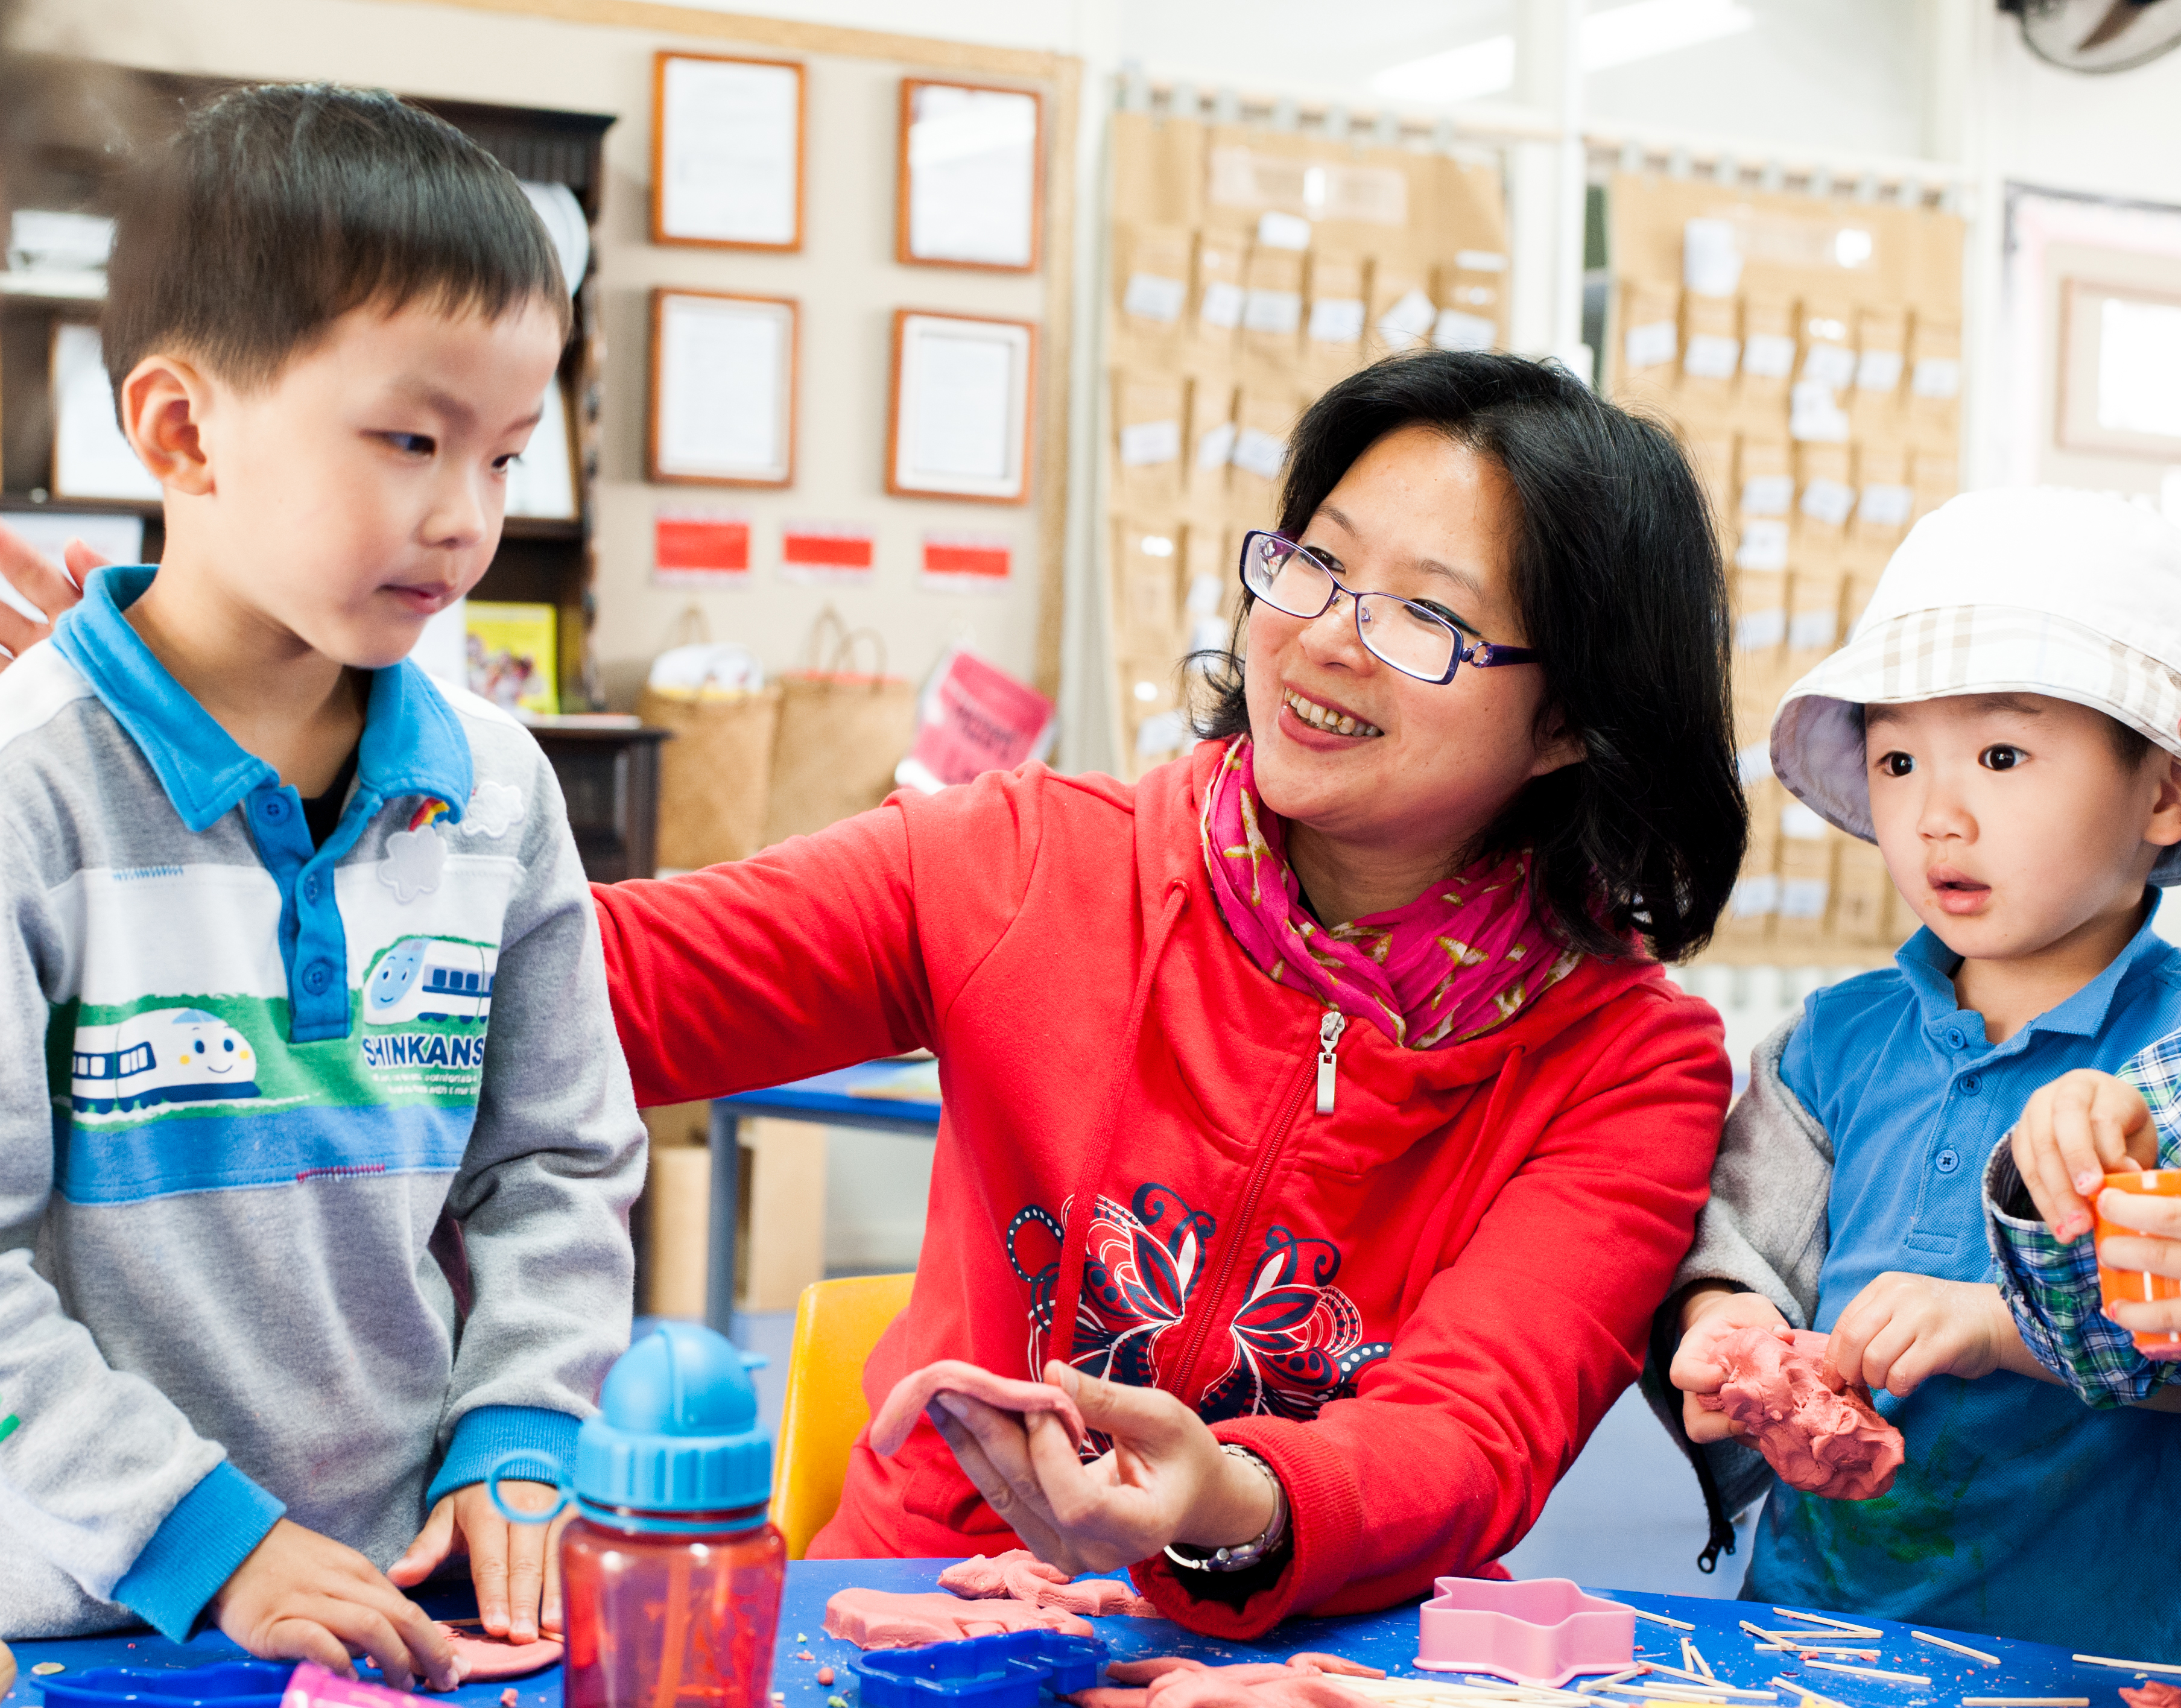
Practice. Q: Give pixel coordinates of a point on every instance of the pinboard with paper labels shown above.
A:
(1807, 350)
(1252, 267)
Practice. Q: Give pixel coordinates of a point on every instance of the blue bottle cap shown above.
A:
(676, 1432)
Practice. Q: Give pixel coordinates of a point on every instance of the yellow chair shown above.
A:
(836, 1325)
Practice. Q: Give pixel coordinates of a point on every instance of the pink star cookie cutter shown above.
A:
(1541, 1631)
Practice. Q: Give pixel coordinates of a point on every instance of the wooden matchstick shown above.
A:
(1837, 1624)
(1804, 1691)
(1661, 1619)
(1958, 1648)
(2025, 1702)
(1869, 1672)
(2131, 1666)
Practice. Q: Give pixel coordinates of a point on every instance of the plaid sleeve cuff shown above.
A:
(2051, 1290)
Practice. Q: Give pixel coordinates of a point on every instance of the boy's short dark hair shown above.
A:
(278, 208)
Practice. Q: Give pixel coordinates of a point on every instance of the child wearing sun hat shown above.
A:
(2003, 723)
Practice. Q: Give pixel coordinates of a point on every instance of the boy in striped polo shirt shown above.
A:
(326, 1044)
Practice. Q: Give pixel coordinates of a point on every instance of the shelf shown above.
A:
(541, 527)
(149, 508)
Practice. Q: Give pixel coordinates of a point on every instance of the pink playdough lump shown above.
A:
(919, 1388)
(1171, 1681)
(1821, 1437)
(485, 1655)
(1020, 1575)
(2150, 1693)
(882, 1619)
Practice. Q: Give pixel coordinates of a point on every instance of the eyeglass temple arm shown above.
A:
(1483, 655)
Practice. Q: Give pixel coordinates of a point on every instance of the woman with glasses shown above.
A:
(1317, 1112)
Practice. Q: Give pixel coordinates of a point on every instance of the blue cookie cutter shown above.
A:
(1006, 1671)
(231, 1685)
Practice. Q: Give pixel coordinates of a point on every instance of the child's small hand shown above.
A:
(1903, 1329)
(2075, 1131)
(301, 1596)
(2156, 1246)
(1709, 1315)
(515, 1568)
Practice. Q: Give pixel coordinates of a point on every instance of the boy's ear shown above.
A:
(2164, 829)
(164, 402)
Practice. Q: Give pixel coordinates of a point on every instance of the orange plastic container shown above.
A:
(2136, 1286)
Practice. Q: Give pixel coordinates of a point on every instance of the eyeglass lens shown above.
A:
(1406, 636)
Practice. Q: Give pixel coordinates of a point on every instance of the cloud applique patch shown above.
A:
(414, 861)
(494, 808)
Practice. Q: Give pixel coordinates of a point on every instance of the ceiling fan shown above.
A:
(2098, 35)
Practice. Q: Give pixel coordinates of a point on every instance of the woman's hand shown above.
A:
(1709, 1315)
(1165, 1480)
(2075, 1131)
(45, 585)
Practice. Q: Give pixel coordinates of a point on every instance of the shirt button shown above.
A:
(1947, 1161)
(1954, 1038)
(316, 976)
(273, 809)
(311, 887)
(1971, 1085)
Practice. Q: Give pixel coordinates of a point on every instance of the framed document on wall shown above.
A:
(971, 192)
(722, 389)
(726, 151)
(958, 425)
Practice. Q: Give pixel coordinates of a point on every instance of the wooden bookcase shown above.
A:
(76, 122)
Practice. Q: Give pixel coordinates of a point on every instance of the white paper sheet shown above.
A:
(542, 481)
(90, 457)
(730, 152)
(724, 369)
(964, 391)
(972, 175)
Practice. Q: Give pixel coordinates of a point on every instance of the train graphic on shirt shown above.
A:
(161, 1056)
(430, 979)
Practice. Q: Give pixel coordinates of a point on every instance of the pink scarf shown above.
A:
(1462, 958)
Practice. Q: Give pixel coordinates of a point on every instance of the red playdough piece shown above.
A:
(2152, 1694)
(919, 1388)
(881, 1619)
(483, 1656)
(1020, 1575)
(1821, 1436)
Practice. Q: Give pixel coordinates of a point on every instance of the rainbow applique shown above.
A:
(426, 813)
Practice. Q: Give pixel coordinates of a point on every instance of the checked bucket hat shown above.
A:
(2022, 590)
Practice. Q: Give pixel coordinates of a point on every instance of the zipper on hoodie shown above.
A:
(1329, 1030)
(1328, 1034)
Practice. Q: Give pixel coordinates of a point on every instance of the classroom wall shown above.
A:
(845, 277)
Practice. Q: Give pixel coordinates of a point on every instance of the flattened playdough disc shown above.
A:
(485, 1655)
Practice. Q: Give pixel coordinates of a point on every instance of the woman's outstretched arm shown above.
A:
(815, 953)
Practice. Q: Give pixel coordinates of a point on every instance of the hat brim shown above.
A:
(1817, 745)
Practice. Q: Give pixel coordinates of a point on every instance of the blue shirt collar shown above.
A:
(1929, 967)
(413, 744)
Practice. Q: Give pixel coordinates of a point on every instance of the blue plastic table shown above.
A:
(1384, 1640)
(829, 1098)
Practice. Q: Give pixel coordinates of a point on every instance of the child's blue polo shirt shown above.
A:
(2020, 1511)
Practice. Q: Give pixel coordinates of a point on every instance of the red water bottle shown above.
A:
(670, 1574)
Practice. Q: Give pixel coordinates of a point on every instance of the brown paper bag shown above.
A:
(840, 733)
(715, 774)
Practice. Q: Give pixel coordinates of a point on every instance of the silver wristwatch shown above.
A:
(1245, 1553)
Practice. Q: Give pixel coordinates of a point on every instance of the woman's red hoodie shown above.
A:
(1416, 1308)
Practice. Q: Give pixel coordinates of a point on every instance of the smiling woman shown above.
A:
(1280, 1085)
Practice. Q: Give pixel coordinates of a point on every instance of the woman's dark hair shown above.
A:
(1617, 575)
